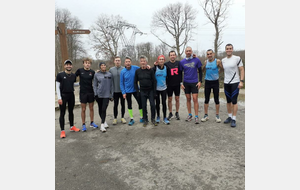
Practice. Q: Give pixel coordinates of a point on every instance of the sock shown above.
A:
(196, 115)
(83, 124)
(206, 114)
(230, 115)
(190, 114)
(92, 122)
(233, 117)
(141, 113)
(130, 113)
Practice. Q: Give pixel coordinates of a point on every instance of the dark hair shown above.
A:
(172, 52)
(117, 57)
(229, 45)
(209, 50)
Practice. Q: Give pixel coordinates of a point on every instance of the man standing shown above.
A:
(116, 72)
(211, 68)
(233, 81)
(86, 94)
(127, 88)
(65, 95)
(191, 84)
(174, 78)
(147, 83)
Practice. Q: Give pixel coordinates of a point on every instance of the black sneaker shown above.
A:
(233, 123)
(177, 116)
(170, 116)
(228, 120)
(145, 123)
(153, 122)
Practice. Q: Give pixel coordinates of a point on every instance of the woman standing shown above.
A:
(103, 90)
(161, 88)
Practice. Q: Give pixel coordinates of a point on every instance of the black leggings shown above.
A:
(102, 106)
(129, 101)
(70, 99)
(117, 96)
(144, 96)
(213, 84)
(163, 95)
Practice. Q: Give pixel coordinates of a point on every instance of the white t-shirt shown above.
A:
(230, 67)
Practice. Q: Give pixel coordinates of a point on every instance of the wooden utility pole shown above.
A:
(61, 30)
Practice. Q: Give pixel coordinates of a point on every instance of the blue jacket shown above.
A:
(127, 79)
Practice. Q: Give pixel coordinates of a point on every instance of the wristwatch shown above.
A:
(242, 81)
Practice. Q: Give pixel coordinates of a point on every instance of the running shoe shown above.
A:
(123, 121)
(102, 128)
(145, 123)
(141, 120)
(131, 122)
(205, 118)
(233, 123)
(105, 125)
(228, 120)
(63, 134)
(157, 119)
(189, 118)
(115, 122)
(177, 116)
(218, 119)
(94, 125)
(153, 122)
(196, 120)
(83, 128)
(166, 121)
(170, 116)
(74, 129)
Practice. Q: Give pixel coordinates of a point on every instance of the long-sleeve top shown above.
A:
(127, 79)
(116, 73)
(102, 85)
(146, 79)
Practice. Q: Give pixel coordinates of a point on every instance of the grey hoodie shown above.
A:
(115, 71)
(102, 85)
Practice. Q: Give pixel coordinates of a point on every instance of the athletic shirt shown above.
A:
(190, 68)
(161, 75)
(66, 82)
(212, 71)
(230, 68)
(174, 76)
(86, 80)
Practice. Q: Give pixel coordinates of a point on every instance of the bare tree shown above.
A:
(178, 20)
(75, 45)
(216, 11)
(105, 36)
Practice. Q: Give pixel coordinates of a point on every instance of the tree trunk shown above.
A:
(216, 40)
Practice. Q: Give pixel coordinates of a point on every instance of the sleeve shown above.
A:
(154, 82)
(200, 70)
(112, 78)
(136, 80)
(77, 73)
(58, 90)
(95, 83)
(122, 83)
(58, 78)
(240, 62)
(112, 87)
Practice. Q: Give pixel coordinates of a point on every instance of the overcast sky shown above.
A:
(140, 13)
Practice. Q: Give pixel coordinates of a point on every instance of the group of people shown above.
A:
(154, 84)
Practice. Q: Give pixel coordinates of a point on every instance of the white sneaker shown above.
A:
(218, 120)
(102, 128)
(205, 118)
(105, 125)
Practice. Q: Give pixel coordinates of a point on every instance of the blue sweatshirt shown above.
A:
(190, 68)
(127, 79)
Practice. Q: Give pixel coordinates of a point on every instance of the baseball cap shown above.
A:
(68, 61)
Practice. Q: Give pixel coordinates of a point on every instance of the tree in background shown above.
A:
(178, 20)
(216, 11)
(75, 45)
(105, 37)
